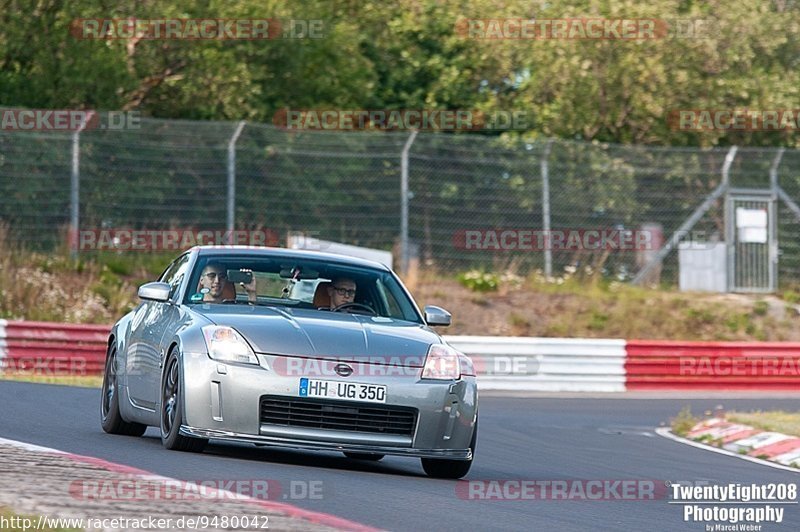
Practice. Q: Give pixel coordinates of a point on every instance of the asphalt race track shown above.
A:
(519, 439)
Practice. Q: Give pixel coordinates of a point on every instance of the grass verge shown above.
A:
(54, 286)
(85, 381)
(772, 421)
(572, 306)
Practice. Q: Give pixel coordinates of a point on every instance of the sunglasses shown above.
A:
(349, 292)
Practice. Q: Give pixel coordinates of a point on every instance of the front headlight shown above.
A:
(445, 363)
(227, 345)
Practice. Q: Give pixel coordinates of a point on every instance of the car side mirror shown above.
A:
(436, 316)
(154, 291)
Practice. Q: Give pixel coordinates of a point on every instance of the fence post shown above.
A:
(773, 233)
(75, 184)
(545, 170)
(730, 221)
(404, 202)
(231, 211)
(773, 172)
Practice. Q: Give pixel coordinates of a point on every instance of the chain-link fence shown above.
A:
(347, 187)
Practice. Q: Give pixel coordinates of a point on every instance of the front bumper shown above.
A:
(306, 445)
(222, 401)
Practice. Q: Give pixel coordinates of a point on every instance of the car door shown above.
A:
(148, 327)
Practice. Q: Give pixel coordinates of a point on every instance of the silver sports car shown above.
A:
(293, 349)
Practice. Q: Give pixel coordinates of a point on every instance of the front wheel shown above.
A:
(451, 469)
(110, 418)
(172, 410)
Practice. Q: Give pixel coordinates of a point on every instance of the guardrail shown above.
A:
(675, 365)
(508, 364)
(545, 364)
(43, 348)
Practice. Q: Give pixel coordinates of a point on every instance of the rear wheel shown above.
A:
(172, 410)
(452, 469)
(371, 457)
(110, 418)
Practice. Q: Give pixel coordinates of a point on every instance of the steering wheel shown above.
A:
(355, 306)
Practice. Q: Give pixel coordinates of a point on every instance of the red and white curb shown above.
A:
(288, 510)
(772, 449)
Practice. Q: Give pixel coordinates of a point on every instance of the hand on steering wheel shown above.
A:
(354, 306)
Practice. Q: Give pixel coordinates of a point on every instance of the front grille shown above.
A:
(337, 415)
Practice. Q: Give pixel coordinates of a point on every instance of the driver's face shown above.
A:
(343, 291)
(214, 280)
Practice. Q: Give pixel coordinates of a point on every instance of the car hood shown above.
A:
(327, 335)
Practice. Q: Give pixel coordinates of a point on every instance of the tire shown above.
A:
(171, 413)
(370, 457)
(450, 469)
(110, 418)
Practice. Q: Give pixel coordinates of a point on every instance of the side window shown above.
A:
(398, 305)
(174, 275)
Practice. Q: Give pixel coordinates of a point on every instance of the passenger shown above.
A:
(215, 281)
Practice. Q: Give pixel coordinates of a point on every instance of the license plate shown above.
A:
(347, 391)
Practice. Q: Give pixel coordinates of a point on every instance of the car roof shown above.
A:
(263, 251)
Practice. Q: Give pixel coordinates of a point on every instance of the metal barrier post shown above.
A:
(404, 202)
(231, 211)
(75, 183)
(545, 169)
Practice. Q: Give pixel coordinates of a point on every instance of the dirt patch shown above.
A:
(610, 311)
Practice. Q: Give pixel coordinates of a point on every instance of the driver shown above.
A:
(341, 291)
(214, 278)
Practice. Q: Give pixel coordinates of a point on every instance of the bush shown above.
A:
(684, 421)
(479, 281)
(791, 296)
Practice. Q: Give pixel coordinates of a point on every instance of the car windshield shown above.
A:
(298, 283)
